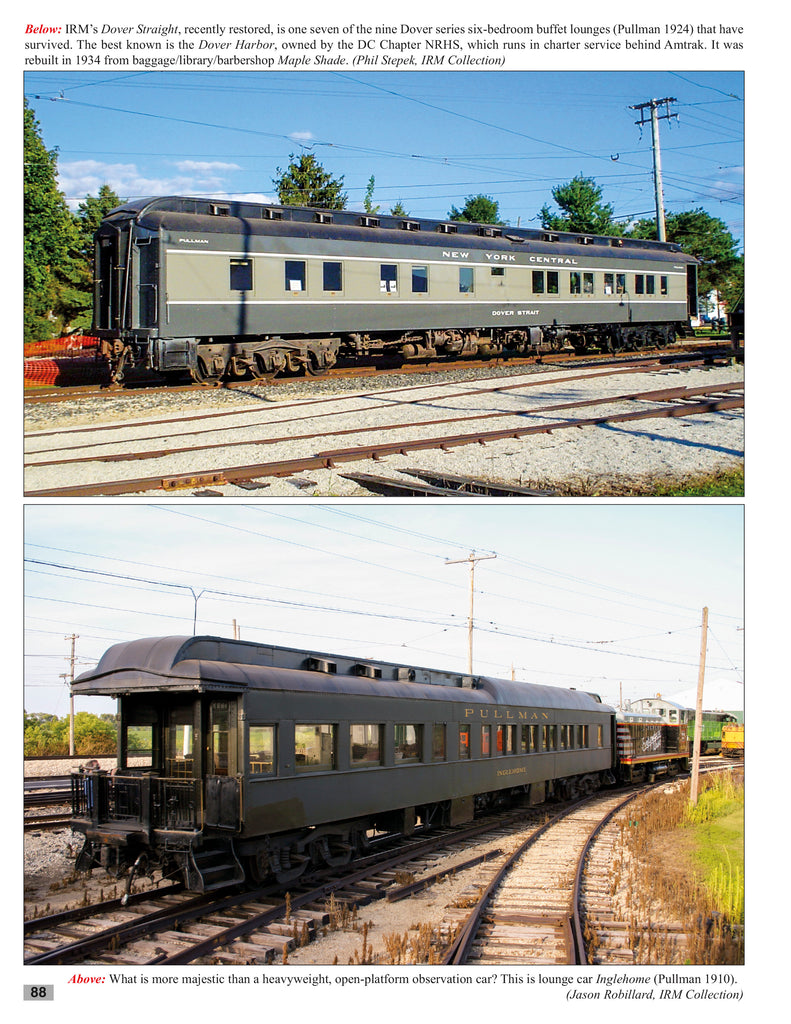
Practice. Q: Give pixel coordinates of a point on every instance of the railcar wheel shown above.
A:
(313, 368)
(201, 374)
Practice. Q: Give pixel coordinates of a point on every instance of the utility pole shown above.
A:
(195, 599)
(69, 677)
(653, 105)
(693, 789)
(472, 558)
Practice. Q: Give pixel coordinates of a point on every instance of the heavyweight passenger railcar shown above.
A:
(240, 759)
(229, 289)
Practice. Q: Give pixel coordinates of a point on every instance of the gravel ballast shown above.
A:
(602, 459)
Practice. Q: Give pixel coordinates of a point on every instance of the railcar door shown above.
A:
(222, 789)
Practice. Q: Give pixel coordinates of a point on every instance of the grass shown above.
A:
(685, 865)
(717, 828)
(725, 484)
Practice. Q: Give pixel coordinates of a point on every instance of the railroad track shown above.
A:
(525, 914)
(219, 446)
(550, 901)
(170, 927)
(523, 874)
(142, 383)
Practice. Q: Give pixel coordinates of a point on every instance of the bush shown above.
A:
(46, 735)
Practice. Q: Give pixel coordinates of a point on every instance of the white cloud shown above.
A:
(80, 178)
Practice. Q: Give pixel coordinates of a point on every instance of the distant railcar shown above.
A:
(672, 712)
(733, 739)
(229, 289)
(648, 746)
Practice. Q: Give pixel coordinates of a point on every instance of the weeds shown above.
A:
(679, 907)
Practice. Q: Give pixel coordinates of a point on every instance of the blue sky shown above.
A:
(595, 596)
(429, 139)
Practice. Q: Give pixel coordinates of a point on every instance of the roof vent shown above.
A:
(321, 665)
(366, 670)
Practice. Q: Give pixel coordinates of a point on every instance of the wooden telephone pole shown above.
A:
(693, 789)
(472, 558)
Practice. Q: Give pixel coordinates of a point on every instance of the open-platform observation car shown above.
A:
(229, 289)
(238, 758)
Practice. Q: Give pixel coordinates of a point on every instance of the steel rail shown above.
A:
(658, 394)
(580, 952)
(537, 380)
(330, 459)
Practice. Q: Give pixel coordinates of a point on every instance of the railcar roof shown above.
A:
(209, 215)
(208, 664)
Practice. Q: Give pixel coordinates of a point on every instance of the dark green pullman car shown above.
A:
(244, 759)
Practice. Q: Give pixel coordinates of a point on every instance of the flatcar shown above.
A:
(711, 725)
(230, 289)
(733, 739)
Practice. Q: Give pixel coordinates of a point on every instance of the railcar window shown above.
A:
(663, 285)
(639, 284)
(549, 739)
(219, 739)
(438, 743)
(388, 277)
(599, 735)
(466, 280)
(498, 271)
(140, 745)
(564, 737)
(464, 742)
(420, 279)
(538, 282)
(506, 739)
(587, 284)
(314, 747)
(529, 739)
(262, 750)
(241, 275)
(366, 744)
(486, 741)
(333, 277)
(575, 282)
(178, 763)
(408, 742)
(620, 283)
(295, 275)
(609, 284)
(649, 284)
(553, 282)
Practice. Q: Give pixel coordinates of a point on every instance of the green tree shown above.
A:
(368, 202)
(478, 209)
(90, 213)
(47, 734)
(93, 736)
(306, 183)
(582, 209)
(398, 210)
(51, 267)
